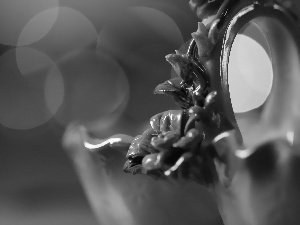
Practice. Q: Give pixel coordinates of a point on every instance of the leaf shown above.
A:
(169, 85)
(173, 88)
(181, 65)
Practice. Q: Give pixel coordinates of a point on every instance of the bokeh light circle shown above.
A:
(250, 74)
(15, 14)
(159, 23)
(135, 28)
(97, 88)
(72, 30)
(140, 37)
(23, 96)
(97, 11)
(30, 61)
(38, 26)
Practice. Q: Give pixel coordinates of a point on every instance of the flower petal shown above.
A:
(173, 88)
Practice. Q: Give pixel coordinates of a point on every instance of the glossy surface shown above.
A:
(118, 198)
(250, 161)
(211, 150)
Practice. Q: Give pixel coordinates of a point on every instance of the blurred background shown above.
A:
(95, 62)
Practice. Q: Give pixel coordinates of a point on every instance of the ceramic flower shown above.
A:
(118, 198)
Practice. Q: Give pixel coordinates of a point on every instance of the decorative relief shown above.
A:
(182, 143)
(177, 142)
(200, 143)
